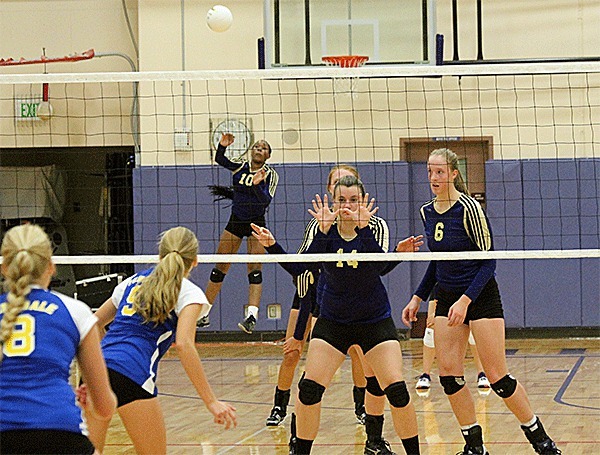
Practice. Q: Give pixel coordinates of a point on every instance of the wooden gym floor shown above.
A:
(562, 377)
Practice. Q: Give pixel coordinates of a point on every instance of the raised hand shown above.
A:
(410, 244)
(263, 235)
(365, 211)
(322, 213)
(226, 139)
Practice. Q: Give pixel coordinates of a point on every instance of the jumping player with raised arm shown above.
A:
(467, 296)
(254, 185)
(355, 309)
(41, 331)
(147, 312)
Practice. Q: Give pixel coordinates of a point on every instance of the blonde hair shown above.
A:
(452, 161)
(26, 255)
(339, 167)
(159, 292)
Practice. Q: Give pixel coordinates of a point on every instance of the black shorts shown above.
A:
(342, 336)
(487, 306)
(45, 442)
(125, 389)
(314, 306)
(242, 228)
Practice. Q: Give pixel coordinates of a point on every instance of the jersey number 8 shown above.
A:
(22, 340)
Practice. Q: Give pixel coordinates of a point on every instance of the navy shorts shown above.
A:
(45, 442)
(487, 306)
(241, 228)
(125, 389)
(342, 336)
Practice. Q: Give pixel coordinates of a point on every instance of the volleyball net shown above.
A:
(119, 157)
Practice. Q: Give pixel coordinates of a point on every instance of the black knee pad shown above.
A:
(373, 386)
(216, 276)
(397, 394)
(255, 277)
(505, 387)
(452, 384)
(309, 391)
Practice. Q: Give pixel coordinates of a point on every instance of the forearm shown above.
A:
(486, 272)
(428, 282)
(195, 371)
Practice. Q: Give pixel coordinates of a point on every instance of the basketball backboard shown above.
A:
(301, 32)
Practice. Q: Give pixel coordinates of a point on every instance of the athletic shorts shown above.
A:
(242, 228)
(487, 306)
(342, 336)
(45, 442)
(314, 306)
(125, 389)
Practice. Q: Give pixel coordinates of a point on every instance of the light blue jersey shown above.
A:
(35, 393)
(134, 348)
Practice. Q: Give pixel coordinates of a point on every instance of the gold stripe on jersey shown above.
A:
(274, 179)
(475, 223)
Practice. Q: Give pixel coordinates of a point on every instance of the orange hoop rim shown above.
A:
(346, 61)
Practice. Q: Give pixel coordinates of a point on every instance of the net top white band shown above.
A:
(275, 258)
(311, 73)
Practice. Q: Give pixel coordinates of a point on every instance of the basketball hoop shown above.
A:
(346, 84)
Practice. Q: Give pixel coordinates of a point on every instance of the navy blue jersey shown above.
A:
(134, 348)
(463, 227)
(35, 393)
(249, 201)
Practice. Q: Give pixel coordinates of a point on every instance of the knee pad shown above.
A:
(216, 276)
(505, 387)
(428, 338)
(373, 386)
(309, 391)
(397, 394)
(452, 384)
(255, 277)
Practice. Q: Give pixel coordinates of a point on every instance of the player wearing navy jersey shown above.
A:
(254, 185)
(372, 414)
(467, 295)
(147, 312)
(354, 309)
(40, 333)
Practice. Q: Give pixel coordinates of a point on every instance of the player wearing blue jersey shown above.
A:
(354, 310)
(40, 333)
(468, 296)
(147, 312)
(254, 185)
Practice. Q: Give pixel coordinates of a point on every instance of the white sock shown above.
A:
(531, 422)
(253, 310)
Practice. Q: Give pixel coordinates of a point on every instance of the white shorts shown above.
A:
(428, 338)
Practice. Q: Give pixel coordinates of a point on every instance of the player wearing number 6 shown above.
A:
(467, 297)
(40, 333)
(355, 310)
(254, 185)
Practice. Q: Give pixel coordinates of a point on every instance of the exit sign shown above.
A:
(26, 108)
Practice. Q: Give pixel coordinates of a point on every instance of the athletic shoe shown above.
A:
(469, 450)
(277, 416)
(546, 447)
(360, 414)
(379, 447)
(248, 324)
(482, 381)
(204, 321)
(424, 382)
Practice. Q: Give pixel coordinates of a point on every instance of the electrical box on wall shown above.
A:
(182, 140)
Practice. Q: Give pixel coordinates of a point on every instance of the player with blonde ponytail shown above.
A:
(147, 312)
(41, 331)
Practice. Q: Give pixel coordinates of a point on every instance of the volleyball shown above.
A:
(219, 18)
